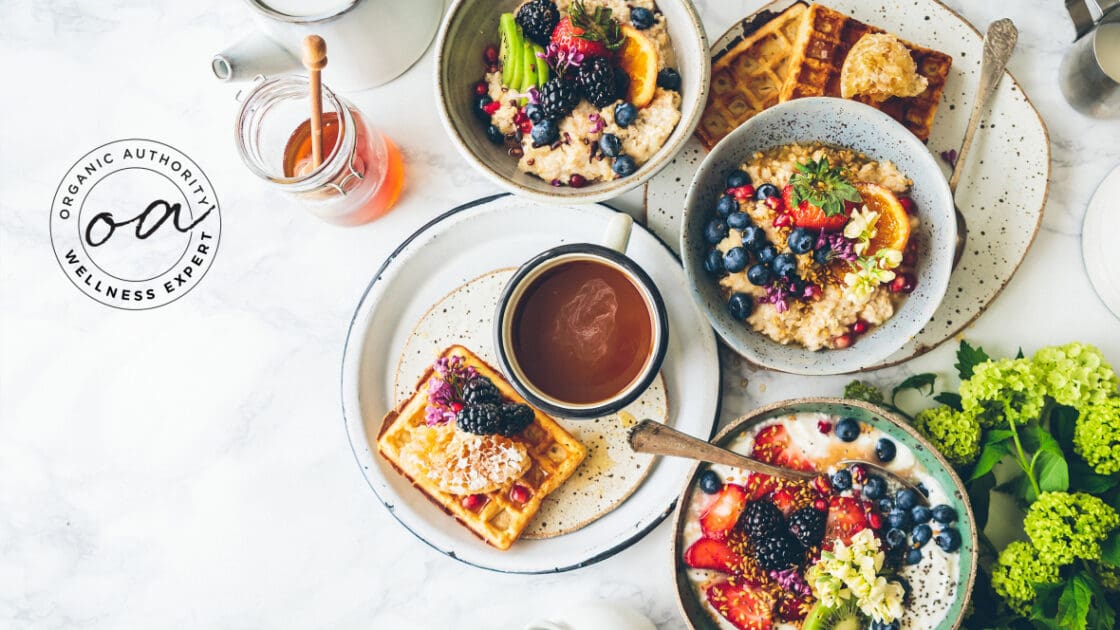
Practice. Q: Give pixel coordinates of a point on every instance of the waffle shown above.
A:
(747, 77)
(499, 520)
(818, 55)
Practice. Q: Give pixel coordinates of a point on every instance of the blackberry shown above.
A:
(597, 82)
(807, 526)
(537, 19)
(778, 552)
(480, 390)
(490, 418)
(558, 98)
(515, 417)
(762, 520)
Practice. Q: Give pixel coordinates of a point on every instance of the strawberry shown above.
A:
(785, 500)
(846, 517)
(760, 485)
(722, 514)
(717, 555)
(773, 446)
(807, 215)
(745, 608)
(567, 36)
(594, 34)
(793, 607)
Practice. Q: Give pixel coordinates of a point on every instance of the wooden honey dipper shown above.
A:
(315, 59)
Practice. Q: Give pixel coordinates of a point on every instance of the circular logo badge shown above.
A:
(135, 224)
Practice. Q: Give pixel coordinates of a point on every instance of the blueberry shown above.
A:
(784, 265)
(821, 255)
(874, 488)
(801, 241)
(944, 514)
(765, 191)
(715, 231)
(899, 518)
(710, 482)
(740, 306)
(848, 428)
(726, 206)
(669, 79)
(735, 260)
(625, 114)
(713, 262)
(885, 450)
(610, 145)
(921, 534)
(534, 112)
(544, 133)
(624, 165)
(738, 220)
(841, 480)
(906, 498)
(495, 135)
(879, 625)
(914, 556)
(895, 538)
(949, 539)
(920, 514)
(641, 18)
(754, 237)
(886, 504)
(738, 178)
(765, 255)
(479, 103)
(759, 275)
(922, 488)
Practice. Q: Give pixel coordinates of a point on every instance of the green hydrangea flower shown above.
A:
(1108, 577)
(1096, 436)
(1002, 389)
(1065, 526)
(956, 434)
(867, 392)
(1075, 374)
(1017, 570)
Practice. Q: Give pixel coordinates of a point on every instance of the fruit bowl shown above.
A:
(470, 26)
(908, 451)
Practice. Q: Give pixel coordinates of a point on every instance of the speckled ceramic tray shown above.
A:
(1001, 194)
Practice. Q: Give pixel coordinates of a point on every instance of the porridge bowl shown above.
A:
(818, 237)
(486, 99)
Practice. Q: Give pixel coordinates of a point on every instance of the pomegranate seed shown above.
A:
(519, 494)
(820, 505)
(841, 342)
(874, 520)
(824, 426)
(481, 88)
(741, 192)
(912, 246)
(577, 181)
(858, 473)
(782, 220)
(520, 117)
(456, 407)
(822, 485)
(490, 54)
(775, 203)
(473, 501)
(907, 204)
(812, 291)
(525, 126)
(903, 283)
(859, 327)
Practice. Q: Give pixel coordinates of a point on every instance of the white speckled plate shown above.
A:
(1004, 187)
(465, 243)
(612, 470)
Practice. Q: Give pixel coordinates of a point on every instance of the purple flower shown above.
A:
(950, 157)
(839, 247)
(791, 581)
(782, 290)
(561, 59)
(534, 96)
(597, 123)
(445, 389)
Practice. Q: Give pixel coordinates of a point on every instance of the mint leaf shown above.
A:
(968, 358)
(918, 382)
(1073, 604)
(950, 400)
(1110, 549)
(990, 455)
(1052, 471)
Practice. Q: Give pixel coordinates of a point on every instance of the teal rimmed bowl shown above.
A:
(895, 427)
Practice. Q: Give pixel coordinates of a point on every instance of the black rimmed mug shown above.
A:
(610, 253)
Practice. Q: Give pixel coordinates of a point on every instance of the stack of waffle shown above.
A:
(800, 52)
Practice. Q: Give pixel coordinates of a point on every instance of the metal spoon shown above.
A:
(657, 439)
(999, 42)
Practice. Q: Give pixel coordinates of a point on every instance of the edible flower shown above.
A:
(561, 58)
(861, 228)
(870, 272)
(955, 433)
(852, 571)
(782, 290)
(1096, 436)
(838, 247)
(597, 122)
(445, 390)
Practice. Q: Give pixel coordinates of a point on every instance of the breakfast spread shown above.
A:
(845, 550)
(580, 91)
(816, 51)
(474, 448)
(811, 244)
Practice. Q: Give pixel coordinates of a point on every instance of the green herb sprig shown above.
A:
(823, 186)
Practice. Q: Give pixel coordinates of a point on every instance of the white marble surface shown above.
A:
(187, 466)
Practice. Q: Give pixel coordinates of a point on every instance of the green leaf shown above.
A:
(822, 186)
(968, 358)
(998, 435)
(1052, 471)
(950, 400)
(1063, 419)
(1020, 355)
(918, 382)
(1101, 614)
(1110, 549)
(1083, 477)
(980, 495)
(990, 455)
(1073, 604)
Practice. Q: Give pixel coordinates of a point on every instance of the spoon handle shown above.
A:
(998, 44)
(657, 439)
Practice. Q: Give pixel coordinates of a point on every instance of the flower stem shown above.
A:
(1021, 455)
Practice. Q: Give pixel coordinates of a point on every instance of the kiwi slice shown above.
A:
(844, 617)
(511, 50)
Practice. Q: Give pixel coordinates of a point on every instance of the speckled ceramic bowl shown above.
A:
(470, 25)
(844, 123)
(899, 430)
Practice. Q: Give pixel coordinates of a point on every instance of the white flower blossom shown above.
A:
(861, 228)
(852, 570)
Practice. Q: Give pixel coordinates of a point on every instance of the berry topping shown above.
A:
(949, 539)
(669, 79)
(767, 191)
(544, 133)
(801, 240)
(473, 502)
(641, 17)
(534, 113)
(885, 449)
(903, 283)
(625, 114)
(737, 178)
(577, 181)
(921, 535)
(885, 505)
(716, 555)
(596, 82)
(481, 88)
(610, 145)
(624, 165)
(766, 254)
(759, 275)
(735, 260)
(784, 265)
(920, 514)
(594, 34)
(710, 482)
(778, 552)
(744, 607)
(906, 499)
(558, 98)
(895, 538)
(489, 418)
(913, 556)
(537, 19)
(875, 487)
(807, 526)
(842, 480)
(824, 426)
(713, 262)
(738, 220)
(519, 494)
(898, 519)
(715, 231)
(722, 514)
(944, 514)
(761, 520)
(495, 135)
(772, 445)
(754, 238)
(907, 204)
(743, 193)
(847, 516)
(479, 390)
(490, 54)
(726, 205)
(859, 328)
(847, 429)
(740, 305)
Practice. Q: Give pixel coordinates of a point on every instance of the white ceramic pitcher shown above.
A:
(369, 42)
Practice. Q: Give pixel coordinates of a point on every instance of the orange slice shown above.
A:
(893, 226)
(638, 58)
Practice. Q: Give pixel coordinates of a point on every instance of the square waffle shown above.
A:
(747, 77)
(818, 54)
(499, 521)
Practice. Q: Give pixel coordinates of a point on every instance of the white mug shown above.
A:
(369, 42)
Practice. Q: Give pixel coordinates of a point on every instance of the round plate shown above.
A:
(1003, 214)
(465, 243)
(894, 426)
(1102, 259)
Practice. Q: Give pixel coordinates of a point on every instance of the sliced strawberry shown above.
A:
(846, 517)
(786, 501)
(745, 608)
(807, 215)
(793, 607)
(760, 485)
(773, 446)
(717, 555)
(568, 36)
(723, 513)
